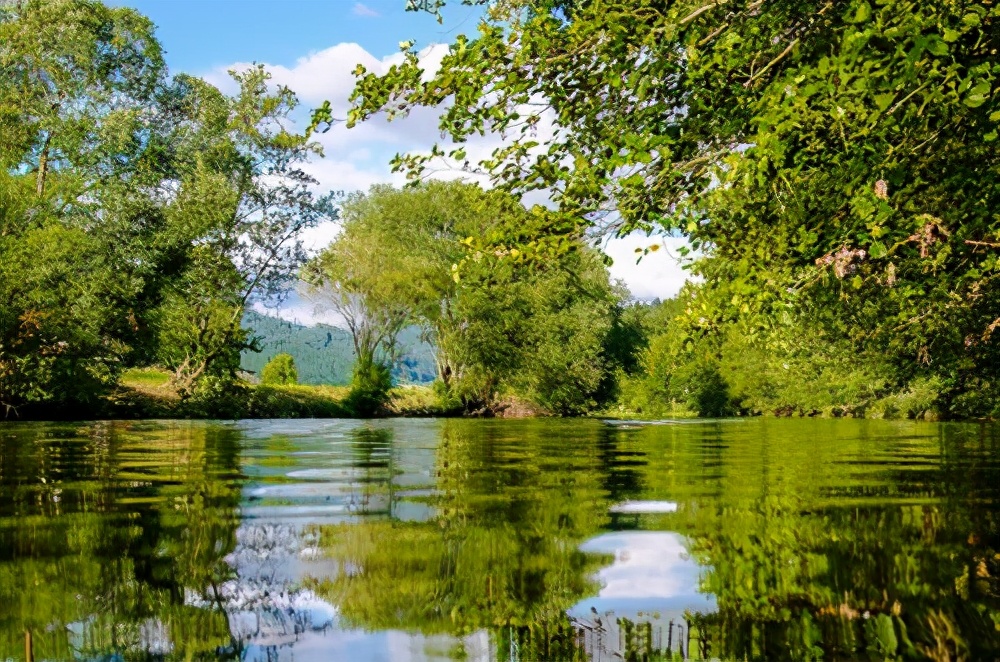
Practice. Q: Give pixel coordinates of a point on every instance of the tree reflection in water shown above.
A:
(105, 528)
(501, 540)
(499, 549)
(873, 544)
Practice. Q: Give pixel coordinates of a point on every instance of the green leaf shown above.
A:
(883, 100)
(863, 13)
(977, 95)
(936, 46)
(878, 250)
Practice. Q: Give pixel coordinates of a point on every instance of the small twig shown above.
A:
(905, 99)
(781, 56)
(991, 244)
(701, 10)
(712, 35)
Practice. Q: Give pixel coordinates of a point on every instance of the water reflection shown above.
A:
(499, 540)
(104, 529)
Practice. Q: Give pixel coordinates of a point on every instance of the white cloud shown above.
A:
(362, 10)
(648, 564)
(658, 274)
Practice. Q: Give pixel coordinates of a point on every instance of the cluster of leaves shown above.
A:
(830, 157)
(280, 370)
(501, 321)
(139, 214)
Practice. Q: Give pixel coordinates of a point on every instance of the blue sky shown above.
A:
(205, 34)
(312, 46)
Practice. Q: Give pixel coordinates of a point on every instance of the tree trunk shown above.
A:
(43, 166)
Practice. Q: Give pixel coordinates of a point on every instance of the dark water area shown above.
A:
(499, 540)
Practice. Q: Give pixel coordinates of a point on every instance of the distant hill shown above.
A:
(324, 354)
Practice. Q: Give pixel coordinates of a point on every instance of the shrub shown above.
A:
(216, 397)
(370, 388)
(280, 371)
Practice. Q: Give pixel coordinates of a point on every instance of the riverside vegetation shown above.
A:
(833, 166)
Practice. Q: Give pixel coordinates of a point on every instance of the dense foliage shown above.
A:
(280, 370)
(501, 324)
(832, 164)
(835, 163)
(139, 214)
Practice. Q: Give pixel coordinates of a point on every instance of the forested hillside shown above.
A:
(323, 353)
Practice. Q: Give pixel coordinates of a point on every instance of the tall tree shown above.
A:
(77, 84)
(138, 215)
(236, 220)
(436, 256)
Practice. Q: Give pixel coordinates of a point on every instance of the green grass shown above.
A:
(416, 400)
(145, 377)
(621, 412)
(149, 393)
(297, 402)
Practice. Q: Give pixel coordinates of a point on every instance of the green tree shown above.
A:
(77, 80)
(138, 215)
(534, 329)
(236, 220)
(840, 155)
(280, 370)
(439, 256)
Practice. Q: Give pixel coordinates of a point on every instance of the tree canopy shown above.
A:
(139, 214)
(829, 159)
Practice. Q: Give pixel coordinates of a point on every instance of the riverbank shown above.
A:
(149, 394)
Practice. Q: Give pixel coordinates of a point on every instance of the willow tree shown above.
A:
(830, 155)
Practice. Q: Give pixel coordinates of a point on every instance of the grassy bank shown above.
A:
(148, 393)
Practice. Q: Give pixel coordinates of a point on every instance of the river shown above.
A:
(408, 539)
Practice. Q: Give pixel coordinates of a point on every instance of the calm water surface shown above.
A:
(499, 540)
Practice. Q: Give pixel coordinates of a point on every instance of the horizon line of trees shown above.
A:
(834, 167)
